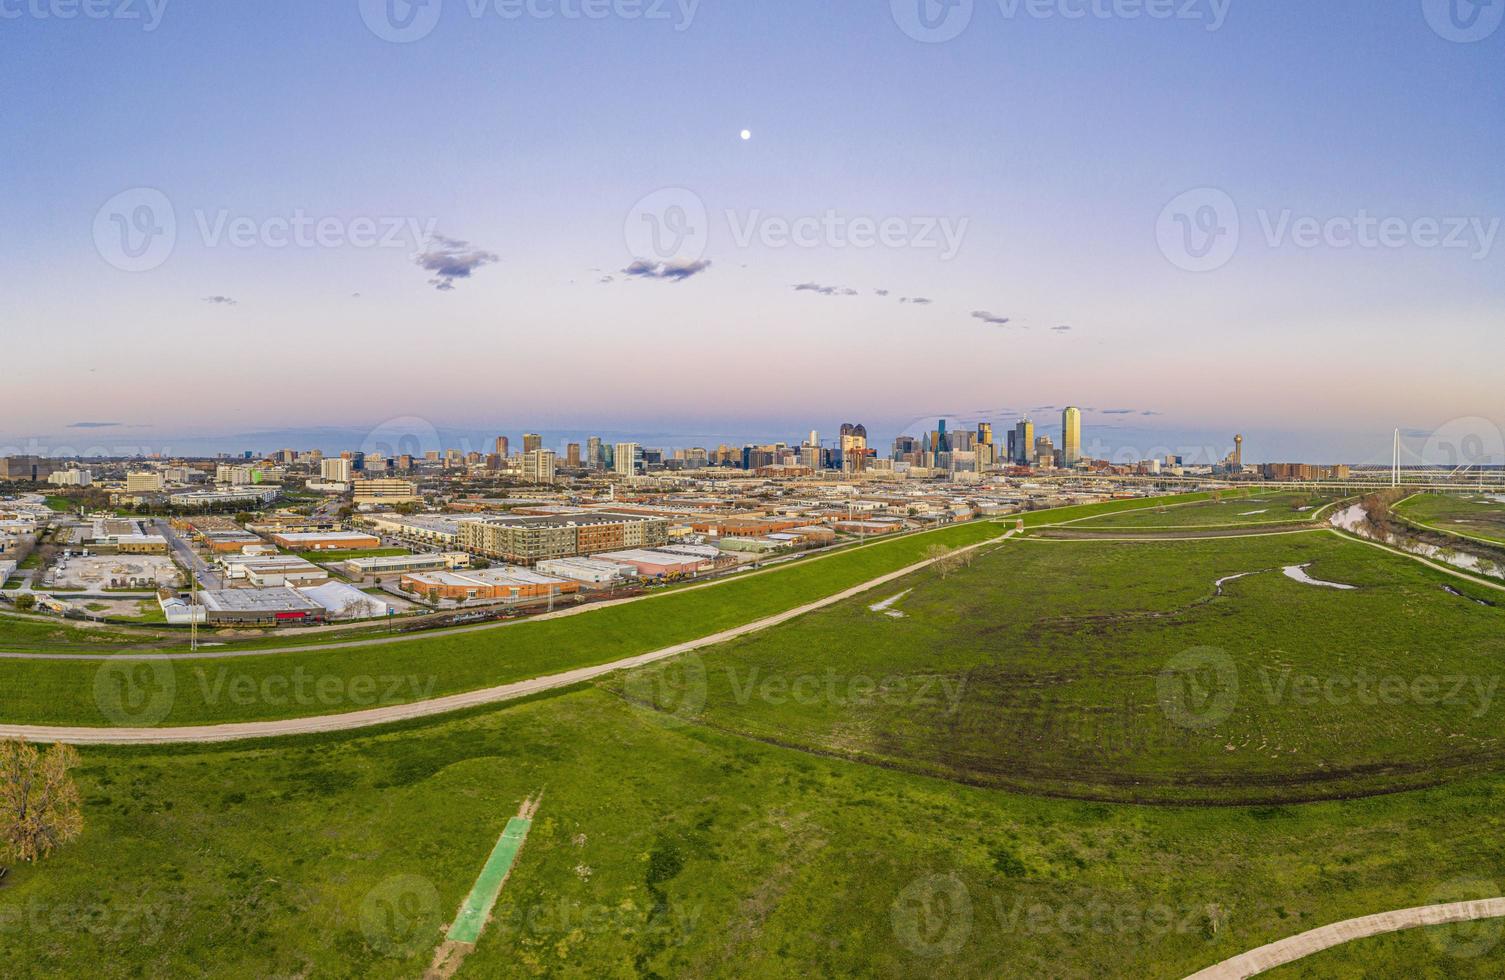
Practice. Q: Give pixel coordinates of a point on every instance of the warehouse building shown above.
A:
(658, 564)
(259, 607)
(493, 583)
(590, 571)
(358, 568)
(325, 541)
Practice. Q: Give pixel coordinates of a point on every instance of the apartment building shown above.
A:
(529, 540)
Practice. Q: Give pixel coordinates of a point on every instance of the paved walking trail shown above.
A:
(1314, 941)
(454, 702)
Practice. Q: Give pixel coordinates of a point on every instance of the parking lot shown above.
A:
(98, 573)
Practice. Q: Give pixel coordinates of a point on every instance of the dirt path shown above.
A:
(1314, 941)
(1063, 533)
(235, 731)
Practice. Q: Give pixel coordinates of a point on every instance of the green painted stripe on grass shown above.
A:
(477, 907)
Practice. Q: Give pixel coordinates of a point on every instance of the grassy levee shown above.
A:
(42, 634)
(1082, 512)
(287, 685)
(670, 850)
(1244, 509)
(1061, 667)
(1476, 518)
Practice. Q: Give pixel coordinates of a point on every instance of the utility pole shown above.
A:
(193, 611)
(1395, 461)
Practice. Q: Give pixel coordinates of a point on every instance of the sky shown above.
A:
(237, 225)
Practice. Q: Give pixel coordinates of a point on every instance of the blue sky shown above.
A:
(1050, 145)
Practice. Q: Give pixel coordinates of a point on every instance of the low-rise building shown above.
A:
(591, 571)
(259, 607)
(657, 564)
(325, 540)
(359, 568)
(493, 583)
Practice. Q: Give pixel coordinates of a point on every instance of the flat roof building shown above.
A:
(326, 540)
(259, 607)
(493, 583)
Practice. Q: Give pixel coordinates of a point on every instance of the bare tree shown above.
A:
(946, 560)
(39, 802)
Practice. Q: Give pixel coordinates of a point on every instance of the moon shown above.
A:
(746, 134)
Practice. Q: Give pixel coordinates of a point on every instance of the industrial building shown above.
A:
(494, 583)
(325, 541)
(591, 571)
(657, 564)
(397, 564)
(259, 607)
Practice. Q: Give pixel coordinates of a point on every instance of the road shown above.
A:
(1325, 937)
(187, 557)
(79, 735)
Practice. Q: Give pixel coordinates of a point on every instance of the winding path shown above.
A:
(1304, 944)
(236, 731)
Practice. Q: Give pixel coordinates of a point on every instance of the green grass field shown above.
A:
(1042, 667)
(1478, 515)
(669, 850)
(1233, 510)
(329, 557)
